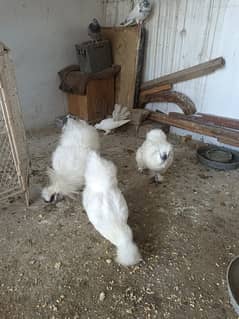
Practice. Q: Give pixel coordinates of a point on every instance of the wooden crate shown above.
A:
(96, 104)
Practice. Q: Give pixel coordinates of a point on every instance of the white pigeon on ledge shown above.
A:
(139, 13)
(120, 117)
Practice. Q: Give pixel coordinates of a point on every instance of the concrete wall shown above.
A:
(41, 35)
(182, 33)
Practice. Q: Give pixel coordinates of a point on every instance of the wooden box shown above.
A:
(96, 104)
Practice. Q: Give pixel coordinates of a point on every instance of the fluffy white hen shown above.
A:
(155, 154)
(69, 159)
(107, 209)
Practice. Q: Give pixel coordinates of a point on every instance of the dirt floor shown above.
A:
(53, 264)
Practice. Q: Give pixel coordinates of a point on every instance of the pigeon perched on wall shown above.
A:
(94, 30)
(140, 12)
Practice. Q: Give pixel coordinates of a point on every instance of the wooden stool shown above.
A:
(96, 104)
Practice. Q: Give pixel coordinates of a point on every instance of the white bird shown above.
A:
(139, 13)
(155, 154)
(107, 209)
(69, 159)
(120, 116)
(109, 124)
(120, 113)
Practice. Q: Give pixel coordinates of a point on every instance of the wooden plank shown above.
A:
(138, 116)
(140, 64)
(220, 120)
(217, 132)
(208, 120)
(125, 43)
(186, 74)
(155, 90)
(183, 101)
(229, 141)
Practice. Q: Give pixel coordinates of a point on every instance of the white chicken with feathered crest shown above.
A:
(120, 116)
(139, 13)
(69, 159)
(155, 154)
(107, 209)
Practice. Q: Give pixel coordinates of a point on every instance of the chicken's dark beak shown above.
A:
(51, 200)
(56, 197)
(164, 157)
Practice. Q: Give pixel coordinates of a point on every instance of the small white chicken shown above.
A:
(155, 154)
(139, 13)
(69, 159)
(107, 209)
(120, 116)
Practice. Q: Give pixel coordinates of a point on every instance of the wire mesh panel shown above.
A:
(8, 175)
(14, 161)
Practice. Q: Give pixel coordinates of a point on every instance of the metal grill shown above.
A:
(14, 163)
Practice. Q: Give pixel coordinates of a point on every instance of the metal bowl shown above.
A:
(218, 157)
(233, 283)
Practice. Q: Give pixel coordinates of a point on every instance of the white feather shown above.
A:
(69, 158)
(107, 209)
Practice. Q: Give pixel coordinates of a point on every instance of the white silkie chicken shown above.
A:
(155, 154)
(107, 209)
(139, 13)
(120, 116)
(69, 159)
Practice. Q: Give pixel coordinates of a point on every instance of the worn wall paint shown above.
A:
(41, 35)
(115, 11)
(182, 33)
